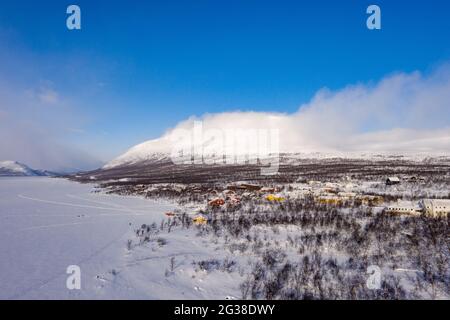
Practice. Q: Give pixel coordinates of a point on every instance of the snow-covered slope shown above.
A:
(153, 150)
(159, 150)
(14, 168)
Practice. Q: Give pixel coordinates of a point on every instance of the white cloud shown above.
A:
(48, 96)
(35, 134)
(402, 113)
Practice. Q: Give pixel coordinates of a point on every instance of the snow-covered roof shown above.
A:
(437, 202)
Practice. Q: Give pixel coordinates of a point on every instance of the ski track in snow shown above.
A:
(71, 204)
(57, 225)
(114, 205)
(137, 261)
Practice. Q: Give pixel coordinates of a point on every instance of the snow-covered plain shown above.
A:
(48, 224)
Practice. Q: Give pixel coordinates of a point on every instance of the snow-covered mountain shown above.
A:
(160, 150)
(17, 169)
(149, 151)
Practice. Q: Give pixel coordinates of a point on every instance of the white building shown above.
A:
(392, 180)
(435, 207)
(404, 208)
(431, 207)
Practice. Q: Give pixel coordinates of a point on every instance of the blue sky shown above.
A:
(136, 69)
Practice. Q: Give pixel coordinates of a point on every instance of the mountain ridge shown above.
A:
(159, 151)
(10, 168)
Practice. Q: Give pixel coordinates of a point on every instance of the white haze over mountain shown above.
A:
(401, 114)
(34, 124)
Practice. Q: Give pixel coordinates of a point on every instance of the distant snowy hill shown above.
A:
(17, 169)
(149, 151)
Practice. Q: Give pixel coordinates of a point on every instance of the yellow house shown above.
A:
(200, 220)
(274, 198)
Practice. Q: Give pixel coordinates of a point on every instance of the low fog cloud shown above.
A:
(35, 124)
(402, 113)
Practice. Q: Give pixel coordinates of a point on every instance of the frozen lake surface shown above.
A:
(47, 224)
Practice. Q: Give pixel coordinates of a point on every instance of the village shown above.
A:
(395, 196)
(309, 232)
(327, 232)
